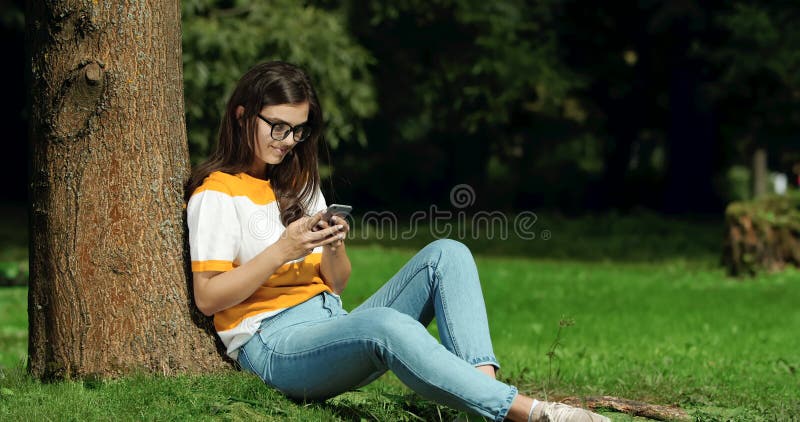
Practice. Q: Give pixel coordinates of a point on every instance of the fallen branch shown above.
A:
(631, 407)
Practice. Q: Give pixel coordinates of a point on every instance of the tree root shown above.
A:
(631, 407)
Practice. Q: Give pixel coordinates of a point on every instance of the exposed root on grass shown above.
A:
(631, 407)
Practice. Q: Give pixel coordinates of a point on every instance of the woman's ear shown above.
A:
(239, 113)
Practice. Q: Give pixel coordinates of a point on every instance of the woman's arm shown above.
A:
(215, 291)
(335, 266)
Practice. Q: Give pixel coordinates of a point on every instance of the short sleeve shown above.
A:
(317, 203)
(214, 230)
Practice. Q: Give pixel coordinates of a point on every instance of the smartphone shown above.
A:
(334, 209)
(340, 210)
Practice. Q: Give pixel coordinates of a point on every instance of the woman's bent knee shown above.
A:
(387, 327)
(448, 247)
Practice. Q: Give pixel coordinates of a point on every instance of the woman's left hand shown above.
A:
(342, 233)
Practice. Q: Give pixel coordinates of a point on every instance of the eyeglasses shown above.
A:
(280, 130)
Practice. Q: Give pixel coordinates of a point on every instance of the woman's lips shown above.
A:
(281, 150)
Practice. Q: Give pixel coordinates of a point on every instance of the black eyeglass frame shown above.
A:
(306, 129)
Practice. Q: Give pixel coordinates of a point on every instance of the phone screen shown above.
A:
(337, 209)
(340, 210)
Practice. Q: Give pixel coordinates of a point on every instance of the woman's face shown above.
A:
(268, 150)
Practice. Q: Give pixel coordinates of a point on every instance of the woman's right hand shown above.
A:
(299, 239)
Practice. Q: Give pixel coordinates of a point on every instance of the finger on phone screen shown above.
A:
(324, 233)
(322, 224)
(340, 220)
(332, 231)
(326, 240)
(314, 219)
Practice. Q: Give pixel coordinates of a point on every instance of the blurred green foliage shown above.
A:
(471, 61)
(13, 273)
(222, 39)
(549, 104)
(758, 61)
(461, 85)
(11, 16)
(762, 234)
(13, 244)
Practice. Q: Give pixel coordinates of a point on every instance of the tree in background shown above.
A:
(108, 278)
(611, 47)
(12, 44)
(757, 84)
(674, 91)
(535, 104)
(645, 101)
(454, 79)
(222, 39)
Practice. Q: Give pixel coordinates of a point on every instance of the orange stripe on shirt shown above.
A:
(211, 265)
(258, 191)
(291, 284)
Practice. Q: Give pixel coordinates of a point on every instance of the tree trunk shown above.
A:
(108, 282)
(762, 235)
(760, 173)
(692, 132)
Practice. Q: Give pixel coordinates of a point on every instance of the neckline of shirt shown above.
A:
(247, 177)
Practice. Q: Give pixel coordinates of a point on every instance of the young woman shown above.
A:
(271, 271)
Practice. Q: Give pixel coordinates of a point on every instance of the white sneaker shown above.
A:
(547, 411)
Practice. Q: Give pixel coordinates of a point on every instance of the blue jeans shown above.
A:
(317, 350)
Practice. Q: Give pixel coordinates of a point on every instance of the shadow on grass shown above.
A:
(362, 405)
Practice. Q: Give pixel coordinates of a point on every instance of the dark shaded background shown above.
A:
(563, 106)
(14, 171)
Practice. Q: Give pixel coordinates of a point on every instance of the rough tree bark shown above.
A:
(108, 281)
(762, 235)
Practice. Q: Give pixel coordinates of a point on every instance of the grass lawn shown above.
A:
(654, 318)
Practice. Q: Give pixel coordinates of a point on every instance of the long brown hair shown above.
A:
(295, 179)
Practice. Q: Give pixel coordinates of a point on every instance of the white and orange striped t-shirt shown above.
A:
(232, 218)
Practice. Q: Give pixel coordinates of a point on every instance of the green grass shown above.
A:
(13, 245)
(664, 325)
(13, 326)
(645, 237)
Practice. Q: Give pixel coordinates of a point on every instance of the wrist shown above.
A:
(278, 251)
(333, 247)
